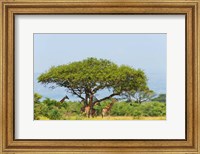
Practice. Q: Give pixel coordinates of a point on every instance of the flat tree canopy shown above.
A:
(85, 78)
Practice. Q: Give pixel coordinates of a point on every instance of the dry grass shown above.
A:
(123, 118)
(110, 118)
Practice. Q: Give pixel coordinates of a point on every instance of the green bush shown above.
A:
(160, 98)
(136, 113)
(55, 110)
(54, 114)
(37, 97)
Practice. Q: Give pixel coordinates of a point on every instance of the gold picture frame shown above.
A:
(9, 8)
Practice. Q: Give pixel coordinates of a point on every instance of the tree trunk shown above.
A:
(90, 104)
(86, 100)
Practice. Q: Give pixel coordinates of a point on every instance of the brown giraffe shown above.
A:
(63, 99)
(107, 109)
(86, 110)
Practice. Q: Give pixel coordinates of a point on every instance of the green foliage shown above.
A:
(85, 78)
(40, 109)
(54, 114)
(136, 110)
(160, 98)
(53, 110)
(37, 97)
(136, 113)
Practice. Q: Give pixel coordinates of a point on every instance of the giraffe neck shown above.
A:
(62, 100)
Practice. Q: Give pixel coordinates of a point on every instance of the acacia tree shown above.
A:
(140, 95)
(85, 78)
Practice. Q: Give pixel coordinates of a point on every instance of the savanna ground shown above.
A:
(110, 118)
(55, 110)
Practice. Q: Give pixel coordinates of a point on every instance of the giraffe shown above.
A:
(107, 109)
(88, 111)
(63, 99)
(88, 108)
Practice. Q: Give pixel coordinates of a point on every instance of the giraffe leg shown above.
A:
(102, 114)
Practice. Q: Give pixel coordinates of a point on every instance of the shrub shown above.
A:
(54, 110)
(37, 97)
(54, 114)
(136, 113)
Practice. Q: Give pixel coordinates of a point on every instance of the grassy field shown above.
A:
(110, 118)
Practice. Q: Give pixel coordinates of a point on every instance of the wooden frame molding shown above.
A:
(10, 8)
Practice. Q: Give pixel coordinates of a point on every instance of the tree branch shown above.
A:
(75, 93)
(108, 97)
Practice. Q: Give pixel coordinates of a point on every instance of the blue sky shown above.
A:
(144, 51)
